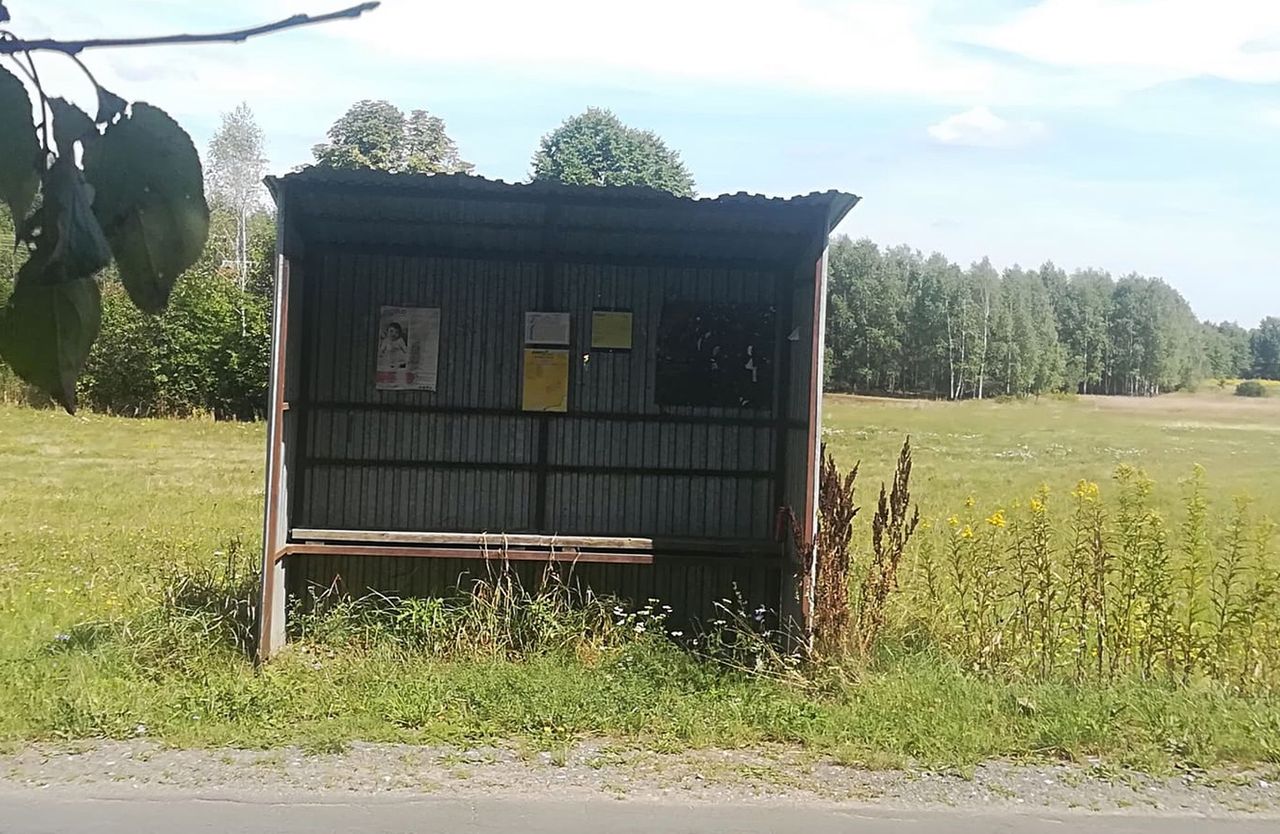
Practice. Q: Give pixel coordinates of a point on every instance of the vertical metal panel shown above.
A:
(396, 460)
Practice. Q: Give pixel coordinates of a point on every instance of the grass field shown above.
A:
(99, 516)
(1001, 451)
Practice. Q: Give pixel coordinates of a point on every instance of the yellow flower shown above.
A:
(953, 520)
(1037, 506)
(1085, 491)
(969, 502)
(996, 519)
(967, 532)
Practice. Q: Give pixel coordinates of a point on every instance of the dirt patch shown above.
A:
(597, 769)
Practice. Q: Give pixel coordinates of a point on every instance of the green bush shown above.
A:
(207, 353)
(1251, 388)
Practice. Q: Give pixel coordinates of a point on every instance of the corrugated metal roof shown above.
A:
(839, 202)
(462, 213)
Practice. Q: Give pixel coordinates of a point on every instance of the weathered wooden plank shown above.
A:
(484, 539)
(494, 540)
(426, 551)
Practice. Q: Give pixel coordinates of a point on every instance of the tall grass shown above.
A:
(1104, 591)
(126, 604)
(495, 617)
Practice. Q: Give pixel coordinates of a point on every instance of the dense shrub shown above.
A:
(1251, 388)
(207, 353)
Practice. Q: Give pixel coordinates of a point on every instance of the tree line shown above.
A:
(208, 351)
(897, 322)
(901, 322)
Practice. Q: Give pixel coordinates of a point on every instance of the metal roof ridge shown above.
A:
(336, 176)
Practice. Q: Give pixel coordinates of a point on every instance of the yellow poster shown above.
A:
(546, 380)
(611, 329)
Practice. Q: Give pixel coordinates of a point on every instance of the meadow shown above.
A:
(126, 551)
(998, 452)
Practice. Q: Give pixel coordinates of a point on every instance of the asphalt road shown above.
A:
(63, 811)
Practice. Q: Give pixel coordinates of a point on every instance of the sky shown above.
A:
(1128, 135)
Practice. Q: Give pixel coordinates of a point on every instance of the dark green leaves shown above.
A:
(149, 200)
(70, 238)
(70, 125)
(110, 105)
(19, 149)
(47, 330)
(52, 317)
(596, 148)
(140, 198)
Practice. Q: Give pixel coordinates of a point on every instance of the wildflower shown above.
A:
(996, 519)
(967, 532)
(969, 502)
(677, 634)
(1085, 491)
(1037, 506)
(62, 637)
(954, 520)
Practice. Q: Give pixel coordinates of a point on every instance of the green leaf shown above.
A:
(19, 149)
(70, 125)
(110, 105)
(66, 232)
(46, 331)
(150, 201)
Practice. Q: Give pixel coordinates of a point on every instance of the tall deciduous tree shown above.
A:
(596, 148)
(429, 149)
(376, 135)
(1264, 344)
(233, 178)
(1228, 353)
(1082, 313)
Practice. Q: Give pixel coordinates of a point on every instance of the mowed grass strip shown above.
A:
(98, 514)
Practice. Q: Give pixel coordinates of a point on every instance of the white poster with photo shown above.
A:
(408, 349)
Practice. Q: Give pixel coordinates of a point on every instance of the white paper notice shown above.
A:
(408, 349)
(546, 328)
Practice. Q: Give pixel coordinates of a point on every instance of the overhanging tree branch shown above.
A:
(15, 45)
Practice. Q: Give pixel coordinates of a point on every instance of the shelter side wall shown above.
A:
(804, 433)
(282, 444)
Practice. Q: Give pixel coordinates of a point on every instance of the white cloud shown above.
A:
(866, 46)
(1271, 117)
(980, 128)
(1150, 41)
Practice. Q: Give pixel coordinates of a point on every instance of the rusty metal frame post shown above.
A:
(275, 522)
